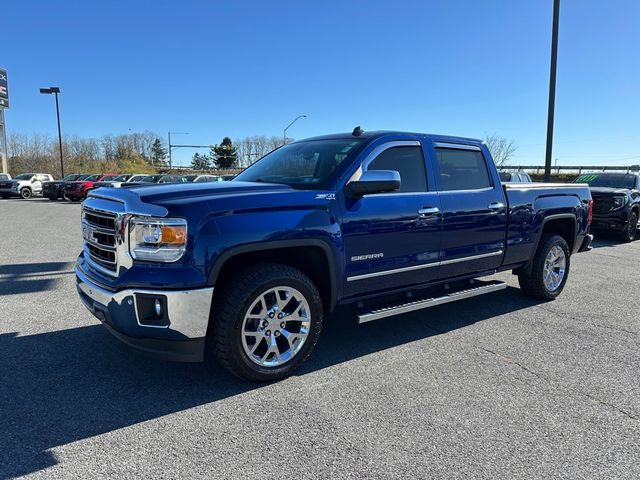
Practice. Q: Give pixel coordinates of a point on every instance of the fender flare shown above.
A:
(545, 220)
(279, 245)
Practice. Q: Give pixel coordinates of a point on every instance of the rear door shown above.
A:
(474, 210)
(392, 240)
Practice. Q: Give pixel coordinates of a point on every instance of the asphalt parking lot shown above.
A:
(500, 386)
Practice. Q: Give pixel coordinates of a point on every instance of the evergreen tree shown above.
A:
(158, 152)
(224, 155)
(201, 162)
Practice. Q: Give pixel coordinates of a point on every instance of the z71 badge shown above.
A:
(325, 196)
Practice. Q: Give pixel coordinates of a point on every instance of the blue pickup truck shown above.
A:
(386, 222)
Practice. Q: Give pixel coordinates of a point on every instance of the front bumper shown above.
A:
(182, 339)
(616, 222)
(12, 192)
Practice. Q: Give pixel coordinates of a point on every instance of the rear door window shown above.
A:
(462, 169)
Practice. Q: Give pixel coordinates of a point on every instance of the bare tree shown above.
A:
(501, 148)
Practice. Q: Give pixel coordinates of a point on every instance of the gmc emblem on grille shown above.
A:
(89, 234)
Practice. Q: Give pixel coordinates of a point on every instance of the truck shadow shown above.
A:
(32, 277)
(604, 240)
(68, 385)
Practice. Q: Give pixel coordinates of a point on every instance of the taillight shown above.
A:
(88, 184)
(590, 212)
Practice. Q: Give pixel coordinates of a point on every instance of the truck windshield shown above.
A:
(308, 164)
(608, 180)
(24, 176)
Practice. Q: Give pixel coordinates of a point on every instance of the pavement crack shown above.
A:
(582, 320)
(507, 359)
(549, 381)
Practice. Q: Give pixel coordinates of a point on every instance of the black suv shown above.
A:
(616, 202)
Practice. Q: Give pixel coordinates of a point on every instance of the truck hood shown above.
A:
(166, 195)
(606, 191)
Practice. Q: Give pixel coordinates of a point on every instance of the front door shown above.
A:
(392, 240)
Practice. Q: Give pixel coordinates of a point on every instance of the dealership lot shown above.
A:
(498, 386)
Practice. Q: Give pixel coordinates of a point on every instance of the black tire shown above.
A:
(532, 284)
(231, 304)
(629, 233)
(25, 193)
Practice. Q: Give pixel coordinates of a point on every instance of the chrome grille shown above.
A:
(99, 233)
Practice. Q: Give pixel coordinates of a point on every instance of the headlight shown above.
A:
(618, 202)
(157, 239)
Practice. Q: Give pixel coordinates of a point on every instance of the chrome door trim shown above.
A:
(393, 271)
(472, 257)
(424, 265)
(460, 146)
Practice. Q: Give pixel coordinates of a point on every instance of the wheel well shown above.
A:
(311, 260)
(565, 227)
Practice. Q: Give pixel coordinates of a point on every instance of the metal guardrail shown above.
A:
(573, 168)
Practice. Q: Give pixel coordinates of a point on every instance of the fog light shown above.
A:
(151, 310)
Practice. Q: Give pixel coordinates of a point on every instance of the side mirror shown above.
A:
(374, 181)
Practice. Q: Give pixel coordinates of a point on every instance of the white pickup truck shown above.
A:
(24, 185)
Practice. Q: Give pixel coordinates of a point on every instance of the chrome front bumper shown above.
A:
(187, 312)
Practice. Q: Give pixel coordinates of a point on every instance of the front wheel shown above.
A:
(629, 233)
(25, 193)
(266, 322)
(549, 270)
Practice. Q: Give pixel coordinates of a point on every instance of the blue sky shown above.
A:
(237, 68)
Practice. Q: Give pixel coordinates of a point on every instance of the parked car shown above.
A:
(387, 222)
(228, 178)
(616, 202)
(78, 189)
(515, 177)
(138, 180)
(203, 178)
(114, 181)
(4, 176)
(54, 190)
(25, 185)
(172, 179)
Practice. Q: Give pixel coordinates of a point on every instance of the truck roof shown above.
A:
(382, 133)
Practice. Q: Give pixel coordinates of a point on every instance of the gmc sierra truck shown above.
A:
(386, 222)
(616, 203)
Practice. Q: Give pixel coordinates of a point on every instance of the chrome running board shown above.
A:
(486, 287)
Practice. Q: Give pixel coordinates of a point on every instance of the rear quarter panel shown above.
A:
(530, 205)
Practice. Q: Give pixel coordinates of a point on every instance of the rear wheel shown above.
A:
(629, 233)
(25, 193)
(266, 322)
(549, 269)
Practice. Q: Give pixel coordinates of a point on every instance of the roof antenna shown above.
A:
(357, 131)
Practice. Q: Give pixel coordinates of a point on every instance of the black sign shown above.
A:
(4, 90)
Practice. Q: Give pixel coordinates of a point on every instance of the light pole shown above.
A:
(169, 135)
(552, 89)
(287, 127)
(56, 91)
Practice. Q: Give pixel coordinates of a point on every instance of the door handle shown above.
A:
(428, 211)
(494, 206)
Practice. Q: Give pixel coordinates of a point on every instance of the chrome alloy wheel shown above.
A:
(276, 326)
(555, 265)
